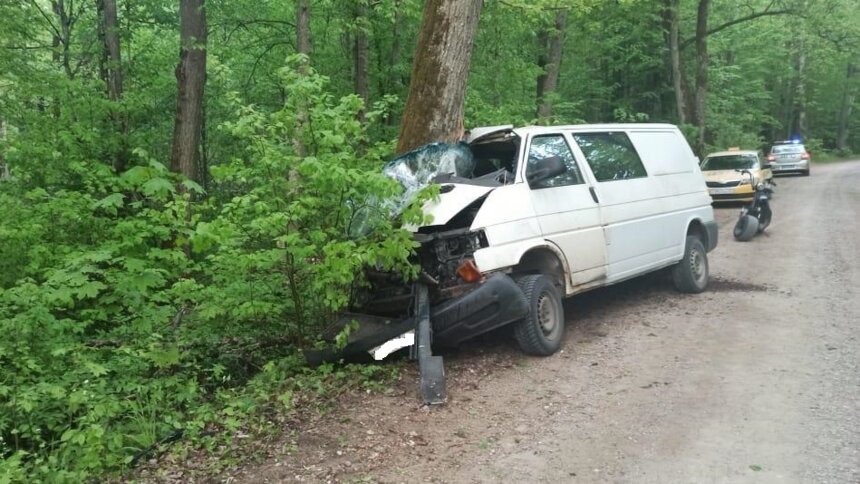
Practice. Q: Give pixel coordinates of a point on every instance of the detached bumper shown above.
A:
(495, 303)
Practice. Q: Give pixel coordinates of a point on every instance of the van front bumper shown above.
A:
(493, 303)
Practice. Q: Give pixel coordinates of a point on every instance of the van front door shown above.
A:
(567, 210)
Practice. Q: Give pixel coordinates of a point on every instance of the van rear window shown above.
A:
(611, 156)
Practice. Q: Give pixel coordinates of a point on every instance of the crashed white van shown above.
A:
(529, 215)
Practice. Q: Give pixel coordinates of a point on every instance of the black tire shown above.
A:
(690, 275)
(746, 228)
(806, 172)
(540, 332)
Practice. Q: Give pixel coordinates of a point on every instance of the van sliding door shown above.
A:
(629, 204)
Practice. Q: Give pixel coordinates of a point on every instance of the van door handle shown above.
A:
(593, 194)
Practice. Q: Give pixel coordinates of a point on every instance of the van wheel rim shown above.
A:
(547, 314)
(697, 264)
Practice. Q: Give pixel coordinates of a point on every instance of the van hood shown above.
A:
(453, 199)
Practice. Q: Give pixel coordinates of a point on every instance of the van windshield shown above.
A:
(785, 149)
(729, 162)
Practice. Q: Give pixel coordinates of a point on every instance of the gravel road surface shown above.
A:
(755, 380)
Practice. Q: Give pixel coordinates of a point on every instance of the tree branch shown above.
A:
(47, 19)
(752, 16)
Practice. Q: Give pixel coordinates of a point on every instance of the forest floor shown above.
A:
(755, 380)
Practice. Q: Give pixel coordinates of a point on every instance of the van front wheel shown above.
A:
(691, 273)
(540, 332)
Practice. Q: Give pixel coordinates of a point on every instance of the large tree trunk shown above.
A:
(701, 73)
(675, 56)
(190, 79)
(361, 54)
(434, 108)
(547, 82)
(112, 73)
(848, 96)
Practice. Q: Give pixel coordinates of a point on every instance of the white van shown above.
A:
(529, 215)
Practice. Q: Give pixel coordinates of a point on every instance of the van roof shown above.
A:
(582, 127)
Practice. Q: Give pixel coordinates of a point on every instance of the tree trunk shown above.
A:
(303, 27)
(361, 53)
(190, 79)
(4, 168)
(675, 56)
(112, 74)
(434, 107)
(802, 128)
(65, 37)
(548, 80)
(701, 73)
(848, 97)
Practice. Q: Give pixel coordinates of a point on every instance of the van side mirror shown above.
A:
(545, 169)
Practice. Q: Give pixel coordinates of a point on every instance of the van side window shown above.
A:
(548, 146)
(611, 156)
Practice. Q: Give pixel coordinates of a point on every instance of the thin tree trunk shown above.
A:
(677, 68)
(548, 80)
(112, 74)
(362, 54)
(303, 46)
(190, 79)
(435, 105)
(4, 168)
(802, 127)
(848, 96)
(701, 73)
(64, 39)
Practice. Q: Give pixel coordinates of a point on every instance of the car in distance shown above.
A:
(789, 157)
(724, 180)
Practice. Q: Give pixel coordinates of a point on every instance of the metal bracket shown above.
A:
(431, 368)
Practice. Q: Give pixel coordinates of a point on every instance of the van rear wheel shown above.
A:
(540, 332)
(691, 273)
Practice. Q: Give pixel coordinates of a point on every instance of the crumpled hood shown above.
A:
(454, 197)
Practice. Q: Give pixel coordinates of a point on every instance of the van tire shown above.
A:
(690, 275)
(745, 228)
(541, 331)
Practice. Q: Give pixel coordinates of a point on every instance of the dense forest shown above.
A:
(180, 181)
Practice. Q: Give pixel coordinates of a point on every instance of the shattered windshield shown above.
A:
(414, 171)
(419, 168)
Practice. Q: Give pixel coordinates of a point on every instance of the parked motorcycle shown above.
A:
(756, 216)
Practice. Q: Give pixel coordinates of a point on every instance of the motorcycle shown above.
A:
(756, 216)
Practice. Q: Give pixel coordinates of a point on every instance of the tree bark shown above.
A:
(701, 73)
(303, 27)
(675, 57)
(112, 74)
(361, 52)
(548, 81)
(435, 105)
(190, 80)
(848, 97)
(802, 125)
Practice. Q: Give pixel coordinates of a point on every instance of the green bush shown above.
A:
(134, 307)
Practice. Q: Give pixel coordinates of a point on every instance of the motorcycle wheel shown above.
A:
(746, 228)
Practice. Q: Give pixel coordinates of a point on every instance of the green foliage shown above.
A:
(133, 309)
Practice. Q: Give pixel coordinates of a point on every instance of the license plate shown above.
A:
(722, 191)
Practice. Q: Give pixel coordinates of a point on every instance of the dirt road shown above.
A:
(756, 380)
